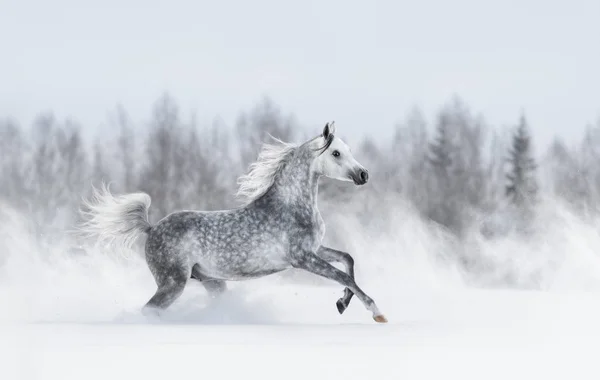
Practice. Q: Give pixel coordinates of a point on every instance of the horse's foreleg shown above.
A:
(332, 255)
(314, 264)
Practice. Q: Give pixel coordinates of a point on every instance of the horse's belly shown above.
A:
(244, 265)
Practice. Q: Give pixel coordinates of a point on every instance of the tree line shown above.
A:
(452, 169)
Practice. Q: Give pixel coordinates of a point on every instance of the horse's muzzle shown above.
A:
(360, 176)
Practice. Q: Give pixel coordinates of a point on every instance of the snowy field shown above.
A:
(294, 331)
(66, 317)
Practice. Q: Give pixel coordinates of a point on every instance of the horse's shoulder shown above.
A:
(309, 220)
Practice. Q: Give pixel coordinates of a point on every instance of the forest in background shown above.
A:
(454, 169)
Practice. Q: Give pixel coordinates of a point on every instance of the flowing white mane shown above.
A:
(262, 173)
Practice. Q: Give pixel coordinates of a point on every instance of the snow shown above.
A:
(294, 331)
(77, 317)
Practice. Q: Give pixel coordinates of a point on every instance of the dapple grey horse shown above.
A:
(278, 228)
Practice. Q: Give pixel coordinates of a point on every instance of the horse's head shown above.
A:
(336, 161)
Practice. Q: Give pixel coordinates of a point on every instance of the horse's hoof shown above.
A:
(380, 319)
(341, 306)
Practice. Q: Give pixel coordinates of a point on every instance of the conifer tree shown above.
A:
(522, 185)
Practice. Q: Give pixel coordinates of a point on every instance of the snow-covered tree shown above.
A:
(522, 184)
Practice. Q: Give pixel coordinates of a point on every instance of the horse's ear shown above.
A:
(328, 130)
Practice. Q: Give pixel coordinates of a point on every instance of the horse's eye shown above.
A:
(336, 153)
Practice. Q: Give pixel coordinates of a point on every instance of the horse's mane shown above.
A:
(271, 159)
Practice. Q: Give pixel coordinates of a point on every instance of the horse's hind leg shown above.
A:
(332, 255)
(213, 286)
(171, 283)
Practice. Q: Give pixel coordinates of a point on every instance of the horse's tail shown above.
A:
(112, 218)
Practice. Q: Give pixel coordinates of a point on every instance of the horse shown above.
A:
(279, 226)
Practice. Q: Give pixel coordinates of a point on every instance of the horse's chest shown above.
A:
(319, 228)
(313, 235)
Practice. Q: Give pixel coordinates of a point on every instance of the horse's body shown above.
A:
(279, 228)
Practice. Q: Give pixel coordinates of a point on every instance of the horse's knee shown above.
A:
(348, 260)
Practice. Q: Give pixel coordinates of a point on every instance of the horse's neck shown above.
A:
(297, 184)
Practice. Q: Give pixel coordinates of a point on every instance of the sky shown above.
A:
(364, 64)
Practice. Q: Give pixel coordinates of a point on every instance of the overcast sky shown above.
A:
(361, 63)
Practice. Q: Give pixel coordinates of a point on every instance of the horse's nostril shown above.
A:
(364, 176)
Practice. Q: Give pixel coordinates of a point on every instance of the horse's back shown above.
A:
(176, 236)
(183, 227)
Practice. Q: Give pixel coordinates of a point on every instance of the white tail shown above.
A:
(121, 219)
